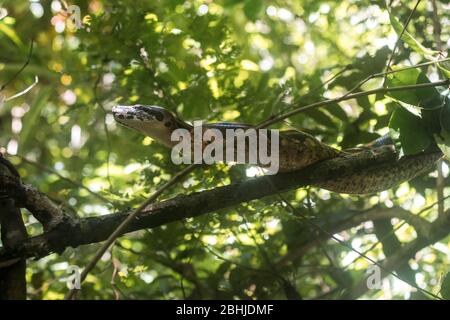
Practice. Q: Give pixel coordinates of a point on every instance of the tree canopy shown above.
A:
(219, 232)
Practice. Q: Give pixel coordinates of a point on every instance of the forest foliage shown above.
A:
(226, 60)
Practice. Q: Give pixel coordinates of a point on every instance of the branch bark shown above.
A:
(12, 277)
(26, 196)
(73, 233)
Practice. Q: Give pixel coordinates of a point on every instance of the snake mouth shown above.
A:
(153, 121)
(126, 115)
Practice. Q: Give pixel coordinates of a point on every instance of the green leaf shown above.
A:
(445, 287)
(445, 116)
(444, 145)
(11, 34)
(30, 119)
(253, 9)
(430, 98)
(426, 98)
(425, 102)
(321, 118)
(410, 130)
(231, 3)
(402, 78)
(337, 111)
(409, 39)
(445, 68)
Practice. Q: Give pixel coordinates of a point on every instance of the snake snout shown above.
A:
(125, 113)
(117, 110)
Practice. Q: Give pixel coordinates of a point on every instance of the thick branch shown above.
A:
(13, 232)
(26, 196)
(96, 229)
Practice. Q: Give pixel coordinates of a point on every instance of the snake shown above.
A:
(297, 150)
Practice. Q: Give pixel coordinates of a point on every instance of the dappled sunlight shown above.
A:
(326, 74)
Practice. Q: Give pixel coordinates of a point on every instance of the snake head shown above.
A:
(152, 121)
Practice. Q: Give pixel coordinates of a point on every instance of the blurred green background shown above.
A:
(217, 61)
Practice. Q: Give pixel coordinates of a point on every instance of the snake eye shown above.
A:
(154, 113)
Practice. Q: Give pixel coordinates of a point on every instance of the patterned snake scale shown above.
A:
(297, 150)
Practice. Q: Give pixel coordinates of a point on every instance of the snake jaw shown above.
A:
(152, 121)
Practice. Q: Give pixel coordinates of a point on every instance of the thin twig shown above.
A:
(105, 128)
(419, 214)
(21, 93)
(362, 82)
(401, 35)
(240, 265)
(436, 26)
(49, 170)
(387, 72)
(361, 254)
(314, 90)
(349, 97)
(126, 222)
(440, 184)
(21, 69)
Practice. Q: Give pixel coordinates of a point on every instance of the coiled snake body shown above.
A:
(297, 150)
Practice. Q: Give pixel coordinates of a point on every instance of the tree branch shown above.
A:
(73, 233)
(13, 284)
(26, 196)
(349, 97)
